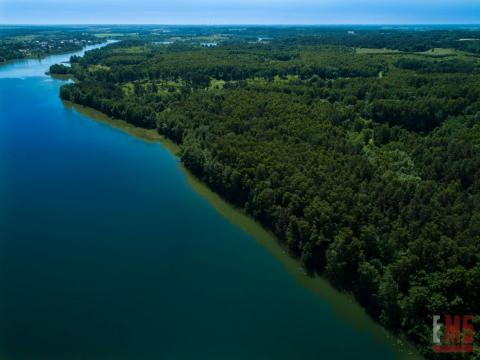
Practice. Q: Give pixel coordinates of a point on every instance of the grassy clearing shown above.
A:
(216, 84)
(286, 79)
(163, 87)
(440, 52)
(107, 35)
(212, 38)
(373, 51)
(95, 68)
(132, 50)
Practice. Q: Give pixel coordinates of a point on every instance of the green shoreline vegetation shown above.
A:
(24, 42)
(364, 165)
(344, 304)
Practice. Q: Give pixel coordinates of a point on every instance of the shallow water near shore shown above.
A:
(109, 249)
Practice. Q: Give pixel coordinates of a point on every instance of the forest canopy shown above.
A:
(364, 162)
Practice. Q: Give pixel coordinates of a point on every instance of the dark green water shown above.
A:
(107, 252)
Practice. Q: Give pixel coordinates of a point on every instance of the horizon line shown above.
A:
(241, 24)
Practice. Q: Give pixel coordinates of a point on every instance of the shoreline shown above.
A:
(343, 304)
(44, 56)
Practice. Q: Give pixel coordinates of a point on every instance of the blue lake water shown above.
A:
(107, 252)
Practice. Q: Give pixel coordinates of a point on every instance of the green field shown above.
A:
(376, 51)
(108, 35)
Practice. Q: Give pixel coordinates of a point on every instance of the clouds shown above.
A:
(239, 11)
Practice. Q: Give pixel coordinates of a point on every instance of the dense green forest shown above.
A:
(360, 152)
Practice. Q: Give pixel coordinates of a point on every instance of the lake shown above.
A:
(110, 250)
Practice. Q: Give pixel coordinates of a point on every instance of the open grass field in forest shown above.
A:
(440, 52)
(376, 51)
(116, 34)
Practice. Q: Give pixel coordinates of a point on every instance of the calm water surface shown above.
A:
(107, 252)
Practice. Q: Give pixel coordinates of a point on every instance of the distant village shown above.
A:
(39, 46)
(53, 45)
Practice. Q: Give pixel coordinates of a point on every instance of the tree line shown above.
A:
(365, 166)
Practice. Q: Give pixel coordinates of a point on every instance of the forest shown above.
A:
(361, 153)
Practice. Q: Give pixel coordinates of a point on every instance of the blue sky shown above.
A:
(239, 11)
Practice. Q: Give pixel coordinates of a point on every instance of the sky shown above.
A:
(239, 11)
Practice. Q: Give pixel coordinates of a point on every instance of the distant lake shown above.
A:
(109, 250)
